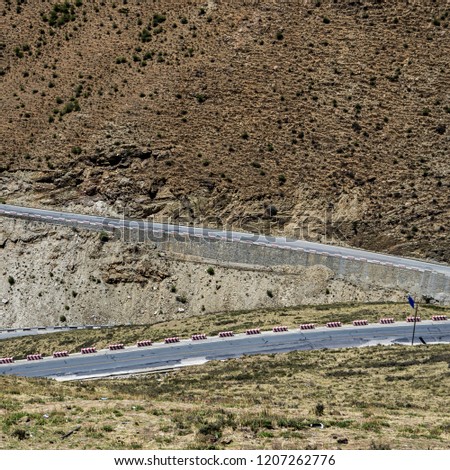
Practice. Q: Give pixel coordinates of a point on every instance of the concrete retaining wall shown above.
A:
(359, 272)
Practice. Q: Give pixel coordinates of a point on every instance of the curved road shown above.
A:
(158, 229)
(187, 352)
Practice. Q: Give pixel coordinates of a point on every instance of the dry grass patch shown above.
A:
(381, 397)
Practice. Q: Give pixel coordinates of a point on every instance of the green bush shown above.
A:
(158, 19)
(145, 35)
(181, 298)
(61, 14)
(210, 271)
(200, 97)
(11, 280)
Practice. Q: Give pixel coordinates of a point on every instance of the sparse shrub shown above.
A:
(145, 35)
(441, 128)
(326, 20)
(61, 14)
(379, 446)
(173, 288)
(158, 19)
(210, 271)
(66, 307)
(62, 319)
(245, 136)
(20, 434)
(200, 98)
(11, 280)
(70, 107)
(181, 298)
(280, 36)
(76, 150)
(18, 52)
(426, 112)
(269, 293)
(320, 408)
(104, 237)
(282, 179)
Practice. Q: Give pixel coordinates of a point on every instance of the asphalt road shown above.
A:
(156, 229)
(188, 352)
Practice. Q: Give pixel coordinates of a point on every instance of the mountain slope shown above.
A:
(320, 120)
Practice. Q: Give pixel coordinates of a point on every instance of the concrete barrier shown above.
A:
(439, 317)
(225, 334)
(144, 342)
(279, 329)
(413, 319)
(307, 326)
(334, 324)
(253, 331)
(198, 337)
(34, 357)
(88, 350)
(386, 321)
(175, 339)
(360, 322)
(6, 360)
(114, 347)
(60, 353)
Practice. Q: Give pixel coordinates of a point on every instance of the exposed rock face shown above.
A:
(50, 271)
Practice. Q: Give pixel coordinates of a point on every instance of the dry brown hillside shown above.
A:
(326, 115)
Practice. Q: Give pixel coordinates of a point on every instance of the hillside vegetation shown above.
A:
(321, 120)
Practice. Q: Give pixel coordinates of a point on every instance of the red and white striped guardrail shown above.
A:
(385, 321)
(307, 326)
(439, 317)
(144, 342)
(60, 353)
(413, 319)
(360, 322)
(88, 350)
(6, 360)
(279, 329)
(334, 324)
(198, 337)
(253, 331)
(225, 334)
(34, 357)
(114, 347)
(175, 339)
